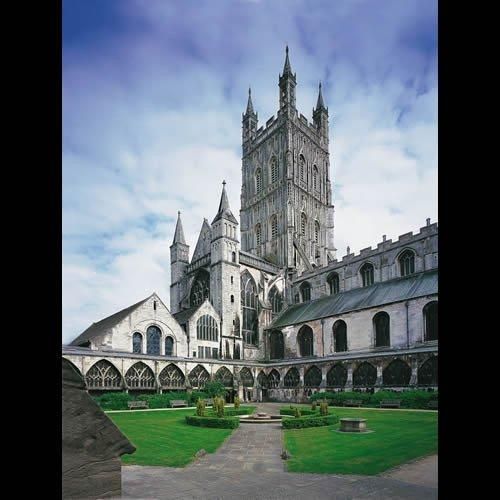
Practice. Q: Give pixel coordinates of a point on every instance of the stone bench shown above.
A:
(209, 402)
(390, 403)
(137, 404)
(432, 405)
(177, 403)
(353, 402)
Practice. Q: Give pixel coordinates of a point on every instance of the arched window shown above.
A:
(365, 375)
(171, 377)
(237, 354)
(103, 375)
(315, 178)
(169, 346)
(207, 329)
(431, 321)
(233, 257)
(292, 378)
(381, 324)
(407, 263)
(302, 167)
(316, 231)
(246, 377)
(262, 380)
(249, 302)
(340, 336)
(200, 290)
(277, 345)
(305, 291)
(367, 274)
(336, 376)
(224, 376)
(274, 227)
(198, 377)
(274, 379)
(274, 170)
(137, 343)
(303, 223)
(428, 372)
(398, 373)
(312, 377)
(258, 180)
(305, 340)
(276, 299)
(333, 283)
(228, 350)
(153, 335)
(258, 234)
(140, 376)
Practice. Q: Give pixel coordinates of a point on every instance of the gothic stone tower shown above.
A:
(179, 260)
(286, 195)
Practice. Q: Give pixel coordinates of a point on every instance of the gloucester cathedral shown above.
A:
(265, 305)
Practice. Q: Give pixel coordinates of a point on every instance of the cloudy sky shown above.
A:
(153, 92)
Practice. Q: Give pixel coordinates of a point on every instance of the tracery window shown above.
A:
(431, 321)
(103, 375)
(367, 274)
(316, 231)
(198, 377)
(246, 377)
(274, 379)
(237, 353)
(302, 167)
(224, 376)
(249, 303)
(303, 223)
(263, 380)
(228, 350)
(171, 377)
(277, 345)
(334, 283)
(169, 346)
(274, 170)
(305, 340)
(153, 335)
(407, 263)
(305, 291)
(140, 376)
(381, 323)
(292, 378)
(137, 343)
(207, 329)
(274, 227)
(428, 372)
(200, 290)
(336, 376)
(365, 375)
(258, 181)
(312, 377)
(276, 300)
(315, 178)
(258, 234)
(398, 373)
(340, 336)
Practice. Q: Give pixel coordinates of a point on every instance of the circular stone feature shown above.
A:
(353, 425)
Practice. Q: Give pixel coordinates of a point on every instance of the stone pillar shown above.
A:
(324, 370)
(380, 369)
(414, 371)
(240, 392)
(348, 384)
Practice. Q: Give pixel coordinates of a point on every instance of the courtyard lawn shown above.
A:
(400, 436)
(164, 438)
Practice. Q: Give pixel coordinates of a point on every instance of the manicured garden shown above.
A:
(399, 436)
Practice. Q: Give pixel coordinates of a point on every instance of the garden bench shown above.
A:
(175, 403)
(353, 402)
(390, 403)
(137, 404)
(209, 402)
(432, 405)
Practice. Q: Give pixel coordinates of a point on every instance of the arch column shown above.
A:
(348, 384)
(324, 371)
(380, 368)
(414, 371)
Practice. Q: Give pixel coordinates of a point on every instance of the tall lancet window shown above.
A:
(274, 170)
(258, 180)
(258, 234)
(274, 227)
(302, 167)
(249, 302)
(316, 231)
(315, 178)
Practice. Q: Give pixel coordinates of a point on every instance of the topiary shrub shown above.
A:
(296, 413)
(200, 408)
(218, 407)
(304, 422)
(313, 406)
(323, 408)
(220, 423)
(237, 402)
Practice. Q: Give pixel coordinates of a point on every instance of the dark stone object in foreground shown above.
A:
(91, 443)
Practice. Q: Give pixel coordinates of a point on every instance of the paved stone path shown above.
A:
(248, 465)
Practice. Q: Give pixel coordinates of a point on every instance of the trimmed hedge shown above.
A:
(304, 411)
(303, 422)
(409, 399)
(119, 400)
(231, 412)
(219, 423)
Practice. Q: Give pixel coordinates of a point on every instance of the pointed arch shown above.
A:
(140, 376)
(224, 376)
(305, 341)
(406, 261)
(153, 340)
(274, 379)
(315, 178)
(171, 377)
(305, 291)
(200, 288)
(292, 378)
(428, 372)
(258, 180)
(103, 375)
(303, 223)
(263, 380)
(333, 283)
(367, 272)
(276, 300)
(397, 373)
(207, 328)
(276, 345)
(249, 305)
(336, 376)
(340, 336)
(312, 377)
(246, 377)
(137, 343)
(431, 321)
(169, 345)
(274, 169)
(198, 377)
(381, 326)
(365, 375)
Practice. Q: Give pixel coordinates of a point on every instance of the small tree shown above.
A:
(237, 403)
(200, 408)
(313, 406)
(219, 406)
(323, 408)
(214, 389)
(296, 413)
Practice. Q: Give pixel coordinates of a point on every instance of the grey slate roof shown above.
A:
(386, 292)
(96, 329)
(182, 317)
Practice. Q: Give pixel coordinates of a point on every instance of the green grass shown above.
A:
(164, 438)
(399, 436)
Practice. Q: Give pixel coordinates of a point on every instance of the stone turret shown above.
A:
(179, 259)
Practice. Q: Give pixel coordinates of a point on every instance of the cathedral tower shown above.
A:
(179, 259)
(286, 196)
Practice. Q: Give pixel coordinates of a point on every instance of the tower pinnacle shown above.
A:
(179, 232)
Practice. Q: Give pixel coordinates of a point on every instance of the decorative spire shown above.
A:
(320, 104)
(224, 210)
(250, 110)
(287, 69)
(179, 232)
